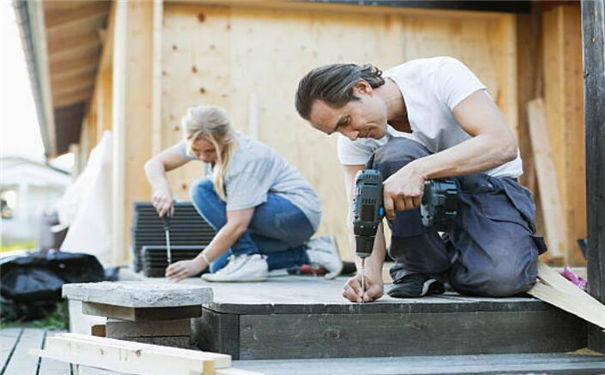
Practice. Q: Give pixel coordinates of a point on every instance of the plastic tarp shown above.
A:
(86, 206)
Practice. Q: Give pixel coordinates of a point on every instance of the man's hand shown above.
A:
(183, 269)
(163, 202)
(353, 291)
(403, 190)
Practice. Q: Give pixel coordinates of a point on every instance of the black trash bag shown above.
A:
(31, 284)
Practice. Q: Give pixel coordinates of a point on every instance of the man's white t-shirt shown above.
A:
(431, 89)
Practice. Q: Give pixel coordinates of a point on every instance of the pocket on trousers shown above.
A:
(497, 206)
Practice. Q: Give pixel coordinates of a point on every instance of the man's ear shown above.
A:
(362, 87)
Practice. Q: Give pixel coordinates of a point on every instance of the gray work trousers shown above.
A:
(490, 248)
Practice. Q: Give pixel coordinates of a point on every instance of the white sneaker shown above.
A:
(323, 251)
(251, 267)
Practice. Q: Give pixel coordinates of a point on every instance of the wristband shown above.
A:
(205, 258)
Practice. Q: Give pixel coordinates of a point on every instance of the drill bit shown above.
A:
(363, 278)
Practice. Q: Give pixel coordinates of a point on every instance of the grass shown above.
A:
(57, 319)
(21, 245)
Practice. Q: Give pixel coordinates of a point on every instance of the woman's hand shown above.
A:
(353, 291)
(184, 269)
(163, 202)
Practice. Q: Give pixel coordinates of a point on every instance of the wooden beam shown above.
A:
(76, 64)
(132, 102)
(593, 24)
(558, 291)
(554, 220)
(60, 56)
(68, 80)
(68, 42)
(83, 69)
(124, 356)
(156, 105)
(75, 97)
(81, 14)
(71, 88)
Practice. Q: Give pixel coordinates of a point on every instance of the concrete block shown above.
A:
(139, 294)
(118, 329)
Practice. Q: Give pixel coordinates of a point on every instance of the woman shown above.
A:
(263, 210)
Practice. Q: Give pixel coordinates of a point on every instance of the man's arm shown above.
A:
(373, 263)
(492, 144)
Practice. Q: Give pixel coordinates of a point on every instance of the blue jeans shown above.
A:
(278, 228)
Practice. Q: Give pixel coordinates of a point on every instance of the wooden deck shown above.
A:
(15, 358)
(16, 342)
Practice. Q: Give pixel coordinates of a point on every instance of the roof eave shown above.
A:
(30, 21)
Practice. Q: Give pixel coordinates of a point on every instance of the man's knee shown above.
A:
(395, 154)
(499, 281)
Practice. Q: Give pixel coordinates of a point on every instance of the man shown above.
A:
(428, 119)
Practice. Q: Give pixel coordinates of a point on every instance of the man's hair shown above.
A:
(334, 84)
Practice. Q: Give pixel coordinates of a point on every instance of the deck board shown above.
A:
(21, 362)
(534, 363)
(8, 340)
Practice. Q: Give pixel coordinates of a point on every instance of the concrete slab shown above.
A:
(140, 294)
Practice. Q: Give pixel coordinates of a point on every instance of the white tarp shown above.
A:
(86, 206)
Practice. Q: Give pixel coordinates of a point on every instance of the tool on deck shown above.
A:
(166, 222)
(438, 209)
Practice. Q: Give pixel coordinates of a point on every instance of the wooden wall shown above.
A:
(563, 88)
(249, 60)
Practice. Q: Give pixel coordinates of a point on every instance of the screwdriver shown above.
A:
(166, 222)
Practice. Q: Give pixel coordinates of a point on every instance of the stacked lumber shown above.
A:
(134, 358)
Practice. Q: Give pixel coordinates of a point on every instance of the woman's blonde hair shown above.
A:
(212, 124)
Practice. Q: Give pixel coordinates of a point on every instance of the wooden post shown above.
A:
(132, 113)
(594, 117)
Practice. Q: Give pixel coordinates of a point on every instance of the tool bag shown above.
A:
(31, 285)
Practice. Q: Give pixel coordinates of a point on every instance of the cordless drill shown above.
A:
(438, 209)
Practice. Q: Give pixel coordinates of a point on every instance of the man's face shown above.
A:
(363, 118)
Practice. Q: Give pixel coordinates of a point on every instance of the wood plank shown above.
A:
(132, 88)
(68, 88)
(220, 360)
(570, 303)
(50, 366)
(72, 98)
(73, 78)
(488, 364)
(297, 336)
(563, 110)
(21, 362)
(68, 42)
(82, 14)
(554, 219)
(134, 314)
(9, 337)
(593, 23)
(76, 64)
(133, 358)
(58, 57)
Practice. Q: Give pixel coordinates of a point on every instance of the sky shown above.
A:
(19, 129)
